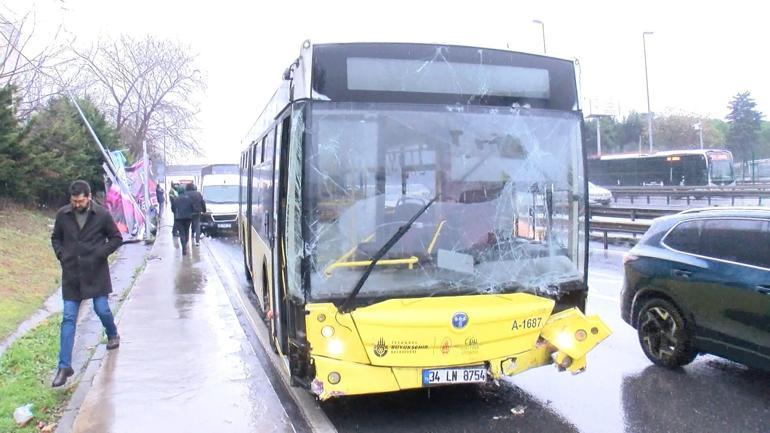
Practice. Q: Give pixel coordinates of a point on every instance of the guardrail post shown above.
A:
(632, 198)
(732, 201)
(709, 198)
(605, 240)
(633, 214)
(688, 200)
(760, 199)
(668, 199)
(648, 199)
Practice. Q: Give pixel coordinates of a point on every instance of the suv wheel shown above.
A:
(664, 334)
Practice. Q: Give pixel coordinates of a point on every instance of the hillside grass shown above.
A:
(29, 271)
(26, 371)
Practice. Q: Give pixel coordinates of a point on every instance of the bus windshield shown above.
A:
(721, 169)
(221, 193)
(509, 182)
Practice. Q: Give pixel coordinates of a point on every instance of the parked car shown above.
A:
(599, 195)
(699, 282)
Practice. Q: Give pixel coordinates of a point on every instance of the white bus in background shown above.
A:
(220, 189)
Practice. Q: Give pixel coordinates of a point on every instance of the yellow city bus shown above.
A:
(413, 215)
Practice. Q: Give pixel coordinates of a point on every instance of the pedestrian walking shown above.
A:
(161, 196)
(183, 212)
(84, 235)
(172, 196)
(199, 207)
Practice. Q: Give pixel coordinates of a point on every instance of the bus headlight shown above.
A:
(327, 331)
(565, 341)
(335, 347)
(334, 378)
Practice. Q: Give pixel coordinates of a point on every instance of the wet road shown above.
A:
(620, 392)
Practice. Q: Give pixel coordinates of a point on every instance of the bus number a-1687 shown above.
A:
(530, 323)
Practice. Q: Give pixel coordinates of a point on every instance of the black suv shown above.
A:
(699, 282)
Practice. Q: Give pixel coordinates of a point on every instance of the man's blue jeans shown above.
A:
(69, 322)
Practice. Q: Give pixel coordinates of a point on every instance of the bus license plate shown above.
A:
(224, 226)
(454, 375)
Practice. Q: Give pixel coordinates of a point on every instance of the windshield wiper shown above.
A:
(346, 306)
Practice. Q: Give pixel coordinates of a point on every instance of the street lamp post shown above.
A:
(542, 28)
(699, 127)
(647, 84)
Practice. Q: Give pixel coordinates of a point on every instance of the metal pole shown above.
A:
(700, 136)
(542, 27)
(647, 85)
(146, 164)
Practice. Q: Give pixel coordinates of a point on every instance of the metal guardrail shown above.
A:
(760, 192)
(606, 227)
(631, 213)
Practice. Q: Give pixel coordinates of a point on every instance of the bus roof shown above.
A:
(221, 179)
(326, 72)
(660, 154)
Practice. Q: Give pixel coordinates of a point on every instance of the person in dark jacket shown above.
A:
(161, 196)
(183, 213)
(172, 196)
(84, 235)
(199, 207)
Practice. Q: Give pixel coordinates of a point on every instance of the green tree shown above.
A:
(609, 130)
(632, 131)
(679, 132)
(11, 152)
(744, 126)
(763, 150)
(61, 150)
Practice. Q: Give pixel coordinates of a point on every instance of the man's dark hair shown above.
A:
(80, 187)
(190, 187)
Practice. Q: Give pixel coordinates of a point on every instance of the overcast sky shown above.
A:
(698, 58)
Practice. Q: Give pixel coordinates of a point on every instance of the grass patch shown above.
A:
(26, 370)
(29, 271)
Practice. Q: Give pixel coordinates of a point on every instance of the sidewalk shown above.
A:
(184, 364)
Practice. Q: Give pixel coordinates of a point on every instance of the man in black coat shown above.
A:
(199, 207)
(183, 212)
(84, 235)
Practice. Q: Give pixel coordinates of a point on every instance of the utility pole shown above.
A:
(146, 181)
(647, 84)
(699, 128)
(542, 27)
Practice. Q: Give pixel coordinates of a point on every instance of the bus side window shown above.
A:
(266, 181)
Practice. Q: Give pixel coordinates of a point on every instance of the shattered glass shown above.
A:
(509, 183)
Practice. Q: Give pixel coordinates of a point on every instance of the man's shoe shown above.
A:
(197, 243)
(61, 376)
(113, 343)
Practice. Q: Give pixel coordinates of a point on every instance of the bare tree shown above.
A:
(33, 73)
(147, 87)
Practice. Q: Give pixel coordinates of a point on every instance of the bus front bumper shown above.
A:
(564, 341)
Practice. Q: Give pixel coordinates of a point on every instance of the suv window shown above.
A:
(745, 241)
(685, 237)
(737, 240)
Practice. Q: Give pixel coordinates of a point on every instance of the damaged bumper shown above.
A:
(564, 340)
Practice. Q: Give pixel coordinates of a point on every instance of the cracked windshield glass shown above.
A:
(508, 187)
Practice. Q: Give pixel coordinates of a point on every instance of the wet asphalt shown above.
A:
(621, 391)
(184, 363)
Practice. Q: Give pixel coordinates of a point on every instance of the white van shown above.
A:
(221, 194)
